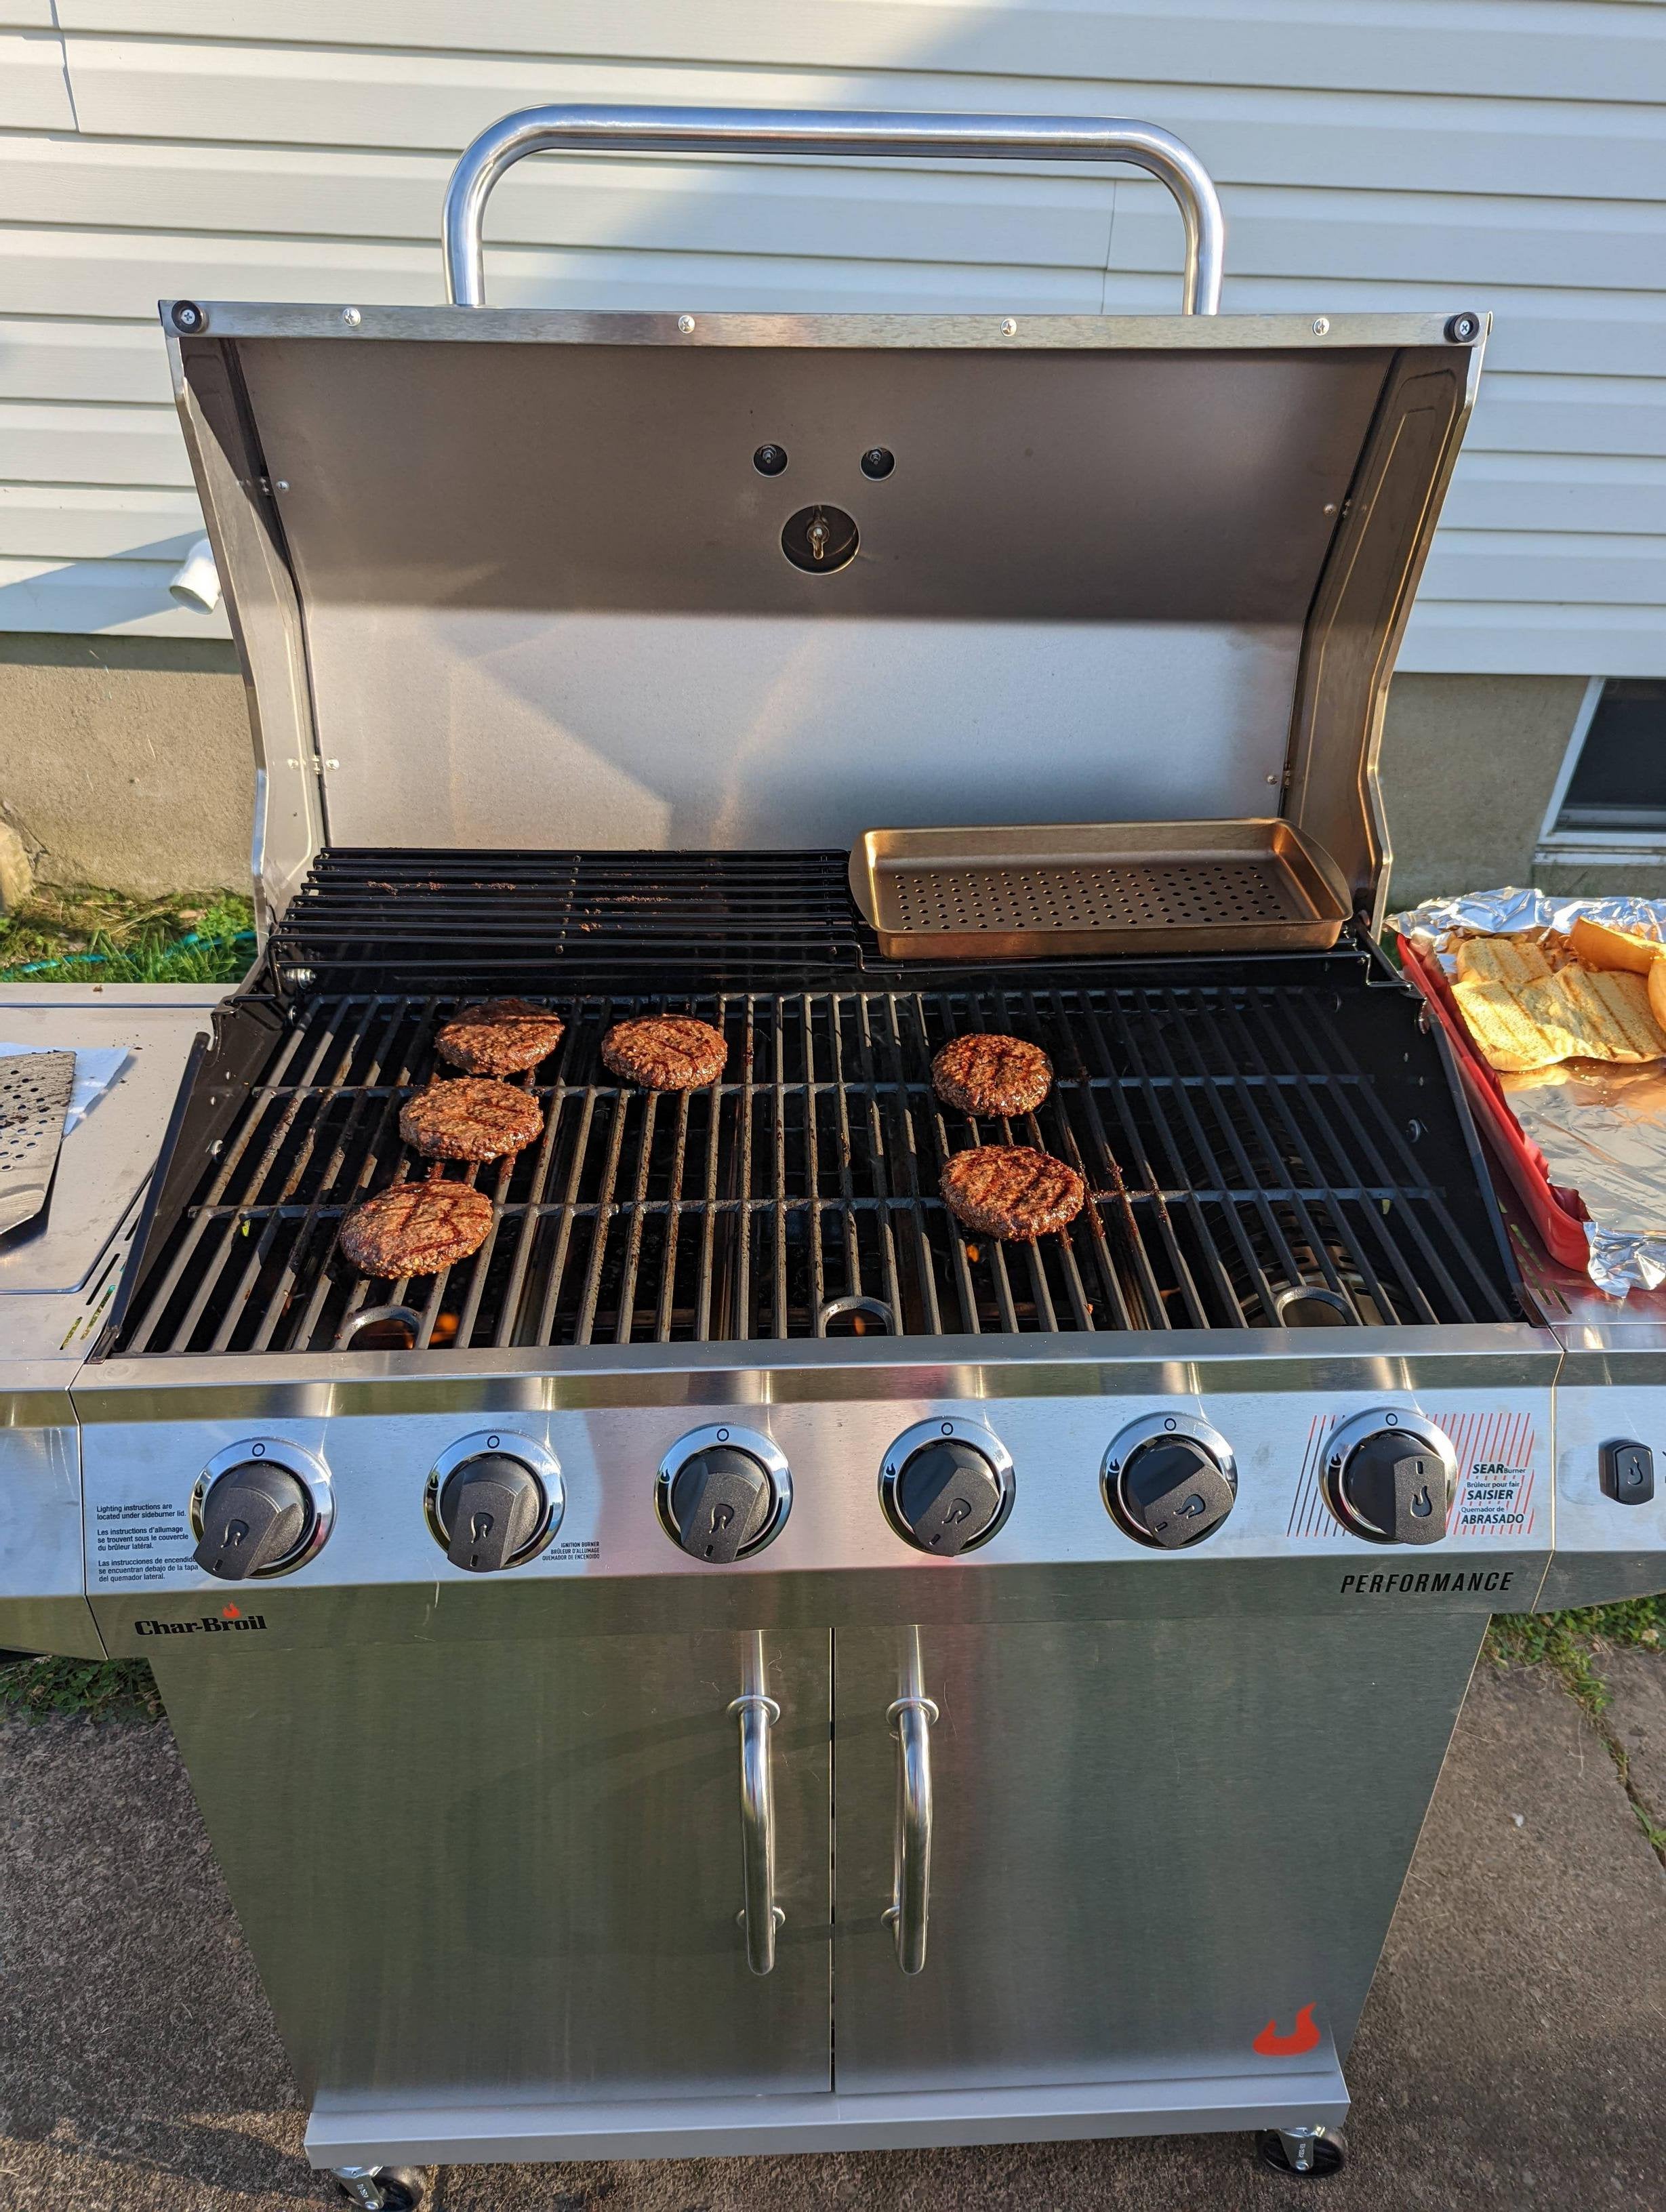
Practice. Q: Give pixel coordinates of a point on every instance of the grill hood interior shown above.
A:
(512, 578)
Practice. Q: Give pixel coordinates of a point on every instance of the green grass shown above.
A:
(82, 934)
(97, 1689)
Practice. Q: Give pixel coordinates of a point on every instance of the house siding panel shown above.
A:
(1505, 155)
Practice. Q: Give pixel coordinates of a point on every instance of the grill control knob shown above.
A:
(1390, 1479)
(946, 1487)
(493, 1501)
(723, 1493)
(1170, 1480)
(256, 1516)
(493, 1507)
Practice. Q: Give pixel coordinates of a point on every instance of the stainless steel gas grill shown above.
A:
(738, 1600)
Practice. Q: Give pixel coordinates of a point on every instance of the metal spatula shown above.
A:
(34, 1096)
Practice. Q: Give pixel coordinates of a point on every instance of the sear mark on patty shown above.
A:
(473, 1118)
(415, 1228)
(1011, 1191)
(499, 1037)
(665, 1052)
(981, 1074)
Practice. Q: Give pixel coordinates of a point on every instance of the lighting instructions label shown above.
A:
(135, 1546)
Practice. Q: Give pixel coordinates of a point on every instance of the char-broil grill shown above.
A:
(738, 1598)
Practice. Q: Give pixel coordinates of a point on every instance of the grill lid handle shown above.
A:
(821, 132)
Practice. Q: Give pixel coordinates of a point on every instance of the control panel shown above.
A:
(669, 1516)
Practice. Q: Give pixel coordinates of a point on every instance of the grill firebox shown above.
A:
(1245, 1128)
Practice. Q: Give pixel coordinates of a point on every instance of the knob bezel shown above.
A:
(307, 1468)
(497, 1443)
(1346, 1437)
(954, 1431)
(758, 1447)
(1158, 1428)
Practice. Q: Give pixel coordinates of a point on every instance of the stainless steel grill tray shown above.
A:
(1145, 887)
(34, 1096)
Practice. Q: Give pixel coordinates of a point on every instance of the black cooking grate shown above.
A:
(369, 915)
(1266, 1145)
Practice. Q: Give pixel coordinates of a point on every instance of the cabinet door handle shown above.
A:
(911, 1719)
(760, 1916)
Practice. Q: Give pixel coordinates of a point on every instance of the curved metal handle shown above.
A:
(811, 130)
(760, 1916)
(911, 1720)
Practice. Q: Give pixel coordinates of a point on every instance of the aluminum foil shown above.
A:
(1520, 914)
(1601, 1128)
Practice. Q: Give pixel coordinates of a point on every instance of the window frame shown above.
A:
(1592, 848)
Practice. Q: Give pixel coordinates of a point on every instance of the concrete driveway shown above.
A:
(1512, 2055)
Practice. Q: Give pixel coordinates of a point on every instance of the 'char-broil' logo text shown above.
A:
(208, 1623)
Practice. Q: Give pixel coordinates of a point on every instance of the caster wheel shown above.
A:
(405, 2189)
(1330, 2155)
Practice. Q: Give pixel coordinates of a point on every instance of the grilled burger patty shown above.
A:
(1011, 1191)
(499, 1037)
(992, 1075)
(665, 1052)
(473, 1118)
(415, 1228)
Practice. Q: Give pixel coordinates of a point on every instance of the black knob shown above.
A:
(722, 1501)
(1172, 1490)
(1629, 1473)
(491, 1509)
(256, 1514)
(947, 1496)
(1393, 1490)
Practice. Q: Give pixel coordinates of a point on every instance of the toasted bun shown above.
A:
(1576, 1013)
(1656, 986)
(1510, 1038)
(1599, 946)
(1511, 961)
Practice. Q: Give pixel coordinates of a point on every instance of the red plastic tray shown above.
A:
(1557, 1214)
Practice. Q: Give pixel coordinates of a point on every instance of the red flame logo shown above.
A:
(229, 1612)
(1305, 2036)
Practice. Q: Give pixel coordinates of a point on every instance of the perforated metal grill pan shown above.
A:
(1087, 888)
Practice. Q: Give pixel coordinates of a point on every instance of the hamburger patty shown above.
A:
(415, 1228)
(471, 1119)
(1011, 1191)
(992, 1075)
(499, 1037)
(665, 1052)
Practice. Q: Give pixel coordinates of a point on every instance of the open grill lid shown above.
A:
(515, 578)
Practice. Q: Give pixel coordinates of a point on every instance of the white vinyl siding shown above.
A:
(1502, 154)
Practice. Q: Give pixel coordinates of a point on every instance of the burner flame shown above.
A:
(1305, 2036)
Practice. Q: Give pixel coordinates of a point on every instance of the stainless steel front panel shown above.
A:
(1149, 1840)
(836, 1560)
(516, 1867)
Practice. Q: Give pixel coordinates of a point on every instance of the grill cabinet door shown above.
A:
(1149, 1838)
(516, 1866)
